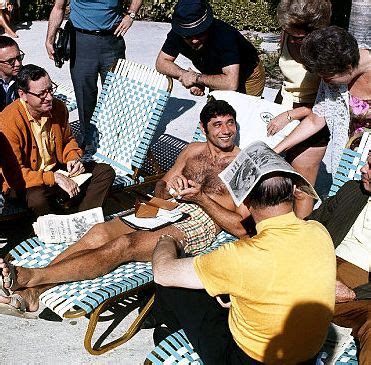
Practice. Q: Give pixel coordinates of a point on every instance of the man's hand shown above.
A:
(75, 168)
(277, 123)
(67, 184)
(188, 78)
(343, 293)
(193, 192)
(124, 26)
(176, 185)
(50, 49)
(197, 90)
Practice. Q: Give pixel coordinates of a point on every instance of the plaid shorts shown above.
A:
(199, 229)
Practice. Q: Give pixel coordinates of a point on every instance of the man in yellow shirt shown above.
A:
(281, 282)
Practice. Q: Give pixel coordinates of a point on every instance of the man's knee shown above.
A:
(101, 171)
(38, 200)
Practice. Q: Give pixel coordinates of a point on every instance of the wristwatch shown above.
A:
(132, 14)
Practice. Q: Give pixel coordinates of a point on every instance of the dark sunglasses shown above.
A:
(43, 94)
(11, 61)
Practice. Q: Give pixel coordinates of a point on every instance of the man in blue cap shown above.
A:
(225, 59)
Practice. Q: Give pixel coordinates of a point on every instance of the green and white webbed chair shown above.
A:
(351, 162)
(126, 116)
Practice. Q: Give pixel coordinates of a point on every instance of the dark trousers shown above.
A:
(204, 321)
(355, 314)
(91, 55)
(43, 199)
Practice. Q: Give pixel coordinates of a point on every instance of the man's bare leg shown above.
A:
(97, 236)
(92, 262)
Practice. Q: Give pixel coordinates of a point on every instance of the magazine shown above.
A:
(253, 162)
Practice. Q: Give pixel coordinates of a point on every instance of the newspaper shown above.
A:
(53, 228)
(162, 218)
(253, 162)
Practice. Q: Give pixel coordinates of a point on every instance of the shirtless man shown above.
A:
(193, 179)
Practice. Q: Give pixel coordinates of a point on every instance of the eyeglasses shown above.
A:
(43, 94)
(11, 61)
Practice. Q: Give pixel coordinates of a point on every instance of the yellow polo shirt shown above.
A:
(44, 137)
(282, 288)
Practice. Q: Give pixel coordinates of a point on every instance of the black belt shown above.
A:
(96, 32)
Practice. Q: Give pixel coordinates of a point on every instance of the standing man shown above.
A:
(10, 63)
(97, 42)
(226, 60)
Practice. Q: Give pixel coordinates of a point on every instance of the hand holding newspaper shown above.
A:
(52, 228)
(251, 164)
(78, 179)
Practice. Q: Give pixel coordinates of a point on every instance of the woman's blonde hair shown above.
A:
(308, 15)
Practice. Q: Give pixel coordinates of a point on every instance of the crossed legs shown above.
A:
(102, 249)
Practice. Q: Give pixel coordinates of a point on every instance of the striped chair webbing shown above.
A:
(67, 95)
(350, 164)
(174, 349)
(164, 151)
(349, 356)
(11, 206)
(127, 114)
(198, 135)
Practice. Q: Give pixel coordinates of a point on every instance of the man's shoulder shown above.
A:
(11, 113)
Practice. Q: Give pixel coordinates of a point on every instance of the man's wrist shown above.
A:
(131, 14)
(198, 78)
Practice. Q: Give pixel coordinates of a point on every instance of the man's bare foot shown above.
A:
(12, 275)
(29, 295)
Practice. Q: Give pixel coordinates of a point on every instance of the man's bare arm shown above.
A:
(168, 270)
(166, 65)
(161, 188)
(127, 21)
(230, 221)
(227, 80)
(55, 21)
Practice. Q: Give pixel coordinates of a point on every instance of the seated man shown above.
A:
(36, 127)
(227, 61)
(10, 63)
(194, 178)
(281, 282)
(347, 217)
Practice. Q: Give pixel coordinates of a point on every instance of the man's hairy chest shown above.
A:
(204, 170)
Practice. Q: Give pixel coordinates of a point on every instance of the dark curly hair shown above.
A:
(329, 51)
(215, 108)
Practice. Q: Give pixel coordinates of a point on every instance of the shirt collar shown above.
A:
(278, 221)
(29, 116)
